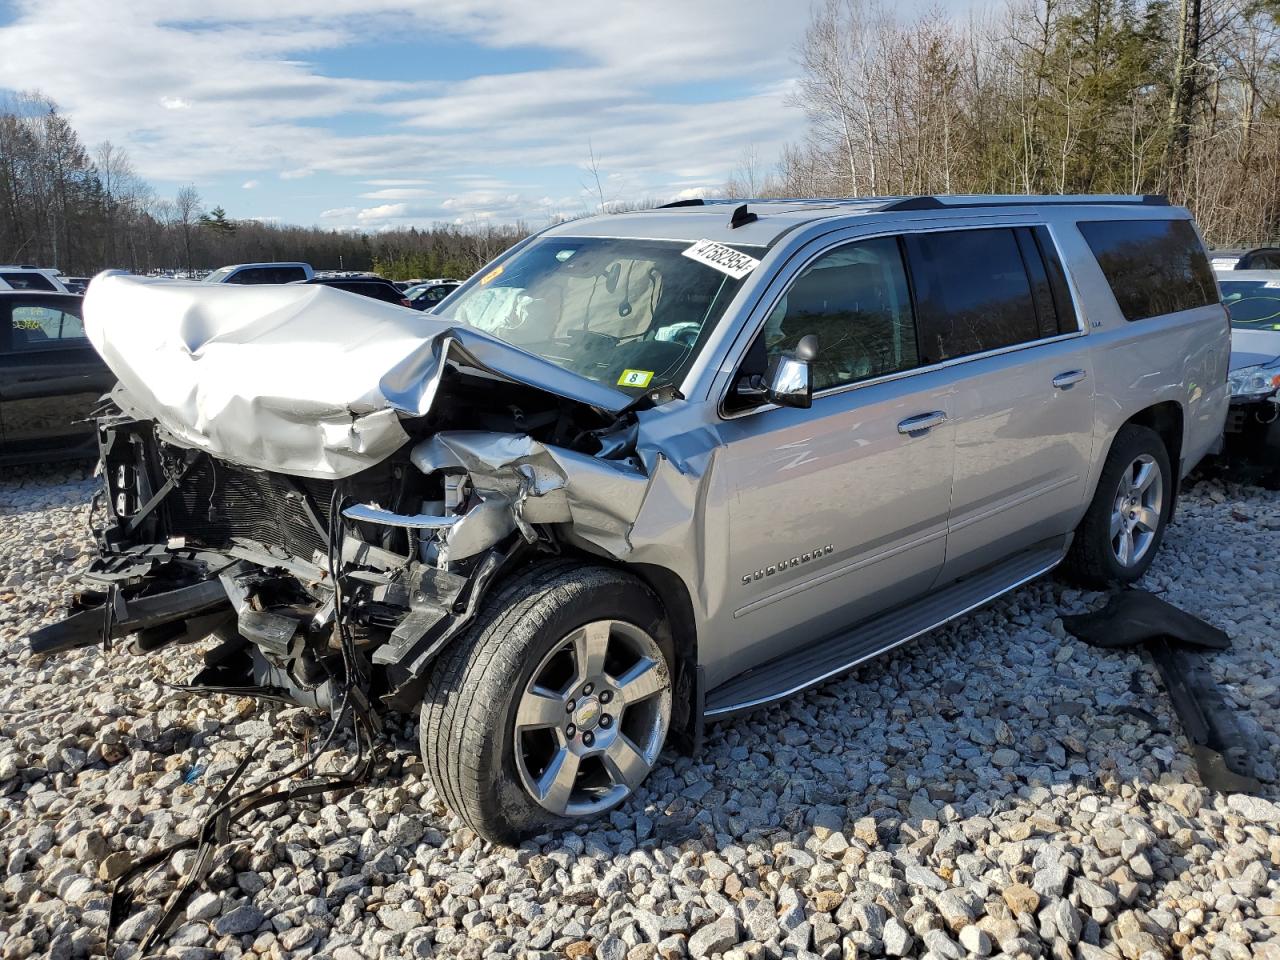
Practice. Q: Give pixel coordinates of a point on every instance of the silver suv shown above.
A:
(645, 471)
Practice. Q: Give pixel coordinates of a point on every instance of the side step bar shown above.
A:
(809, 666)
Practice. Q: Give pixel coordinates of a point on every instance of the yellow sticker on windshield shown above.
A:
(635, 378)
(490, 275)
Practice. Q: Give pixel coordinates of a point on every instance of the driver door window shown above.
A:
(855, 299)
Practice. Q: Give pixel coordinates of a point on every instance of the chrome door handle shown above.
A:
(922, 422)
(1069, 379)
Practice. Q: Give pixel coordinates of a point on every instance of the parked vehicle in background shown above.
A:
(27, 277)
(426, 296)
(1253, 299)
(368, 286)
(51, 378)
(651, 469)
(1255, 258)
(76, 285)
(252, 273)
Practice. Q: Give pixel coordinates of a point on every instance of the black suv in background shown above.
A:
(374, 287)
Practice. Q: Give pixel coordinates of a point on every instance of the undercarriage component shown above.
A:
(95, 625)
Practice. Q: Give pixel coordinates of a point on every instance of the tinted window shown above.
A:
(42, 327)
(366, 288)
(28, 281)
(972, 292)
(1154, 267)
(254, 275)
(1260, 260)
(856, 300)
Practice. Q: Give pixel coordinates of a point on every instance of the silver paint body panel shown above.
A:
(1016, 461)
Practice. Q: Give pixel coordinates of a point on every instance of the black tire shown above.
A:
(1092, 560)
(466, 734)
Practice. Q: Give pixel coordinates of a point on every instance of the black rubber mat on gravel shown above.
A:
(1177, 641)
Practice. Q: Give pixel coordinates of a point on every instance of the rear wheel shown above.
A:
(554, 706)
(1118, 538)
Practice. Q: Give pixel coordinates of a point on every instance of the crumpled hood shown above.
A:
(301, 379)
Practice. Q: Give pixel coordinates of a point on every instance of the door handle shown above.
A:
(1069, 379)
(922, 422)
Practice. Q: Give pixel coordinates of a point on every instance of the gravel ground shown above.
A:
(994, 788)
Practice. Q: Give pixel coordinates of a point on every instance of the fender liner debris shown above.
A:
(1223, 750)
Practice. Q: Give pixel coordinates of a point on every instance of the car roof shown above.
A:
(269, 263)
(715, 219)
(7, 294)
(1226, 273)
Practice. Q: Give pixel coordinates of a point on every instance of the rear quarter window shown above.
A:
(28, 281)
(1154, 267)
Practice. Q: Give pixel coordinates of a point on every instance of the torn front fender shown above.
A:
(544, 483)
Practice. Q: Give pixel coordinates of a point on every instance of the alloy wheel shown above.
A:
(1136, 511)
(592, 719)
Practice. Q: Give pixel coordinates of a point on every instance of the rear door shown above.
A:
(995, 305)
(50, 375)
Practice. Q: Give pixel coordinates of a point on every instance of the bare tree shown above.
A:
(187, 210)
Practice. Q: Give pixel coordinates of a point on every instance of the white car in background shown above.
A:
(1252, 298)
(35, 279)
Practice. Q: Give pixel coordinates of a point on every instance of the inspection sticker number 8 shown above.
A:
(635, 378)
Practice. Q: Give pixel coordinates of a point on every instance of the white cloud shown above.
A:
(667, 93)
(250, 184)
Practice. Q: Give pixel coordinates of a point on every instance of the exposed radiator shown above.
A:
(218, 502)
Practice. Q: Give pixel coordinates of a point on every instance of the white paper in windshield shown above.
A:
(722, 258)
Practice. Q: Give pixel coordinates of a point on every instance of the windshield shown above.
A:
(1253, 304)
(219, 275)
(627, 313)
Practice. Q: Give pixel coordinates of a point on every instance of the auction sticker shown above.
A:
(722, 258)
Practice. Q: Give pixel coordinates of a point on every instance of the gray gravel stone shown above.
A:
(991, 788)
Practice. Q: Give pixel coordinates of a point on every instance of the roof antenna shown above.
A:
(741, 217)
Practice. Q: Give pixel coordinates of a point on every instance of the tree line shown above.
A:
(1173, 97)
(82, 210)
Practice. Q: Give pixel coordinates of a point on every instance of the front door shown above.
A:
(50, 375)
(838, 511)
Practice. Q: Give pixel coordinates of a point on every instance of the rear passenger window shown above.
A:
(27, 281)
(972, 292)
(856, 300)
(1154, 267)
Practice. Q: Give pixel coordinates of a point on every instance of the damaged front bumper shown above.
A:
(282, 570)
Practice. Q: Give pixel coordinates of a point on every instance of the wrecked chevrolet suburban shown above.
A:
(644, 471)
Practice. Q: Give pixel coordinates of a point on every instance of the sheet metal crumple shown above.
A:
(542, 483)
(296, 378)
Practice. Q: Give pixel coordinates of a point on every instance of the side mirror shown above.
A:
(790, 375)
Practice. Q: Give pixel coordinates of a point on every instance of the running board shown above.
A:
(794, 672)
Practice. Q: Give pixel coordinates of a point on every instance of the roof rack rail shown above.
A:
(695, 202)
(959, 201)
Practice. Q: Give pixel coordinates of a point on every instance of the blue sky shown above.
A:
(376, 114)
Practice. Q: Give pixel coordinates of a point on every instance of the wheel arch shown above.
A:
(677, 604)
(1168, 420)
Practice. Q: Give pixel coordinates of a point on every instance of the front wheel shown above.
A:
(554, 706)
(1118, 538)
